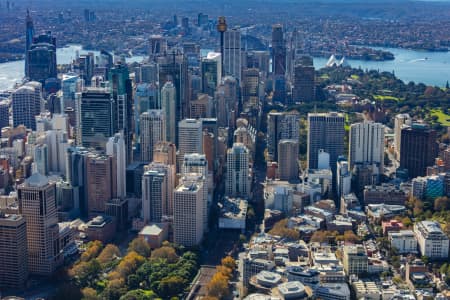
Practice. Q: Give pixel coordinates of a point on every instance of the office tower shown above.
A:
(259, 60)
(343, 178)
(211, 73)
(84, 66)
(366, 144)
(37, 204)
(418, 149)
(41, 58)
(325, 131)
(232, 53)
(190, 138)
(188, 207)
(288, 160)
(145, 97)
(355, 260)
(76, 176)
(154, 195)
(122, 94)
(100, 184)
(250, 87)
(153, 125)
(227, 101)
(149, 73)
(41, 159)
(29, 34)
(57, 143)
(165, 153)
(168, 104)
(158, 183)
(202, 19)
(222, 28)
(279, 89)
(304, 79)
(281, 125)
(401, 121)
(95, 122)
(27, 103)
(115, 148)
(278, 50)
(158, 46)
(13, 251)
(202, 107)
(173, 67)
(238, 182)
(4, 113)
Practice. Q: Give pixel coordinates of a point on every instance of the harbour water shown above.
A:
(431, 68)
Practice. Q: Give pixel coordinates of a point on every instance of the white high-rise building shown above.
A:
(190, 138)
(366, 144)
(188, 202)
(198, 164)
(432, 241)
(40, 164)
(238, 182)
(116, 147)
(401, 121)
(57, 143)
(232, 59)
(27, 103)
(344, 178)
(168, 104)
(153, 130)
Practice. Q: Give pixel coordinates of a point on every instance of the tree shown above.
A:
(442, 204)
(350, 236)
(225, 271)
(407, 222)
(171, 286)
(139, 295)
(127, 265)
(89, 294)
(229, 262)
(165, 252)
(114, 290)
(92, 251)
(218, 286)
(108, 254)
(140, 246)
(85, 272)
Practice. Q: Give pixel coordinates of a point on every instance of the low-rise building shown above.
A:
(333, 291)
(292, 290)
(432, 241)
(403, 241)
(155, 234)
(366, 290)
(233, 213)
(101, 228)
(355, 260)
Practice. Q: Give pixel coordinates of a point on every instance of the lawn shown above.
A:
(384, 98)
(443, 118)
(355, 77)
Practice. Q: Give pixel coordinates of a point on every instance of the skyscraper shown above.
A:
(288, 160)
(232, 53)
(250, 87)
(418, 149)
(101, 184)
(401, 121)
(326, 131)
(153, 126)
(281, 125)
(37, 204)
(211, 68)
(29, 34)
(95, 109)
(304, 78)
(27, 103)
(188, 206)
(41, 58)
(168, 104)
(115, 148)
(165, 153)
(238, 182)
(343, 178)
(278, 50)
(366, 144)
(41, 158)
(190, 138)
(146, 97)
(222, 28)
(13, 251)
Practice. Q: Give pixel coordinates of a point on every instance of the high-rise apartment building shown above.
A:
(188, 207)
(232, 53)
(100, 182)
(418, 149)
(281, 125)
(366, 144)
(238, 182)
(288, 160)
(153, 130)
(401, 121)
(37, 204)
(95, 118)
(13, 251)
(26, 104)
(168, 105)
